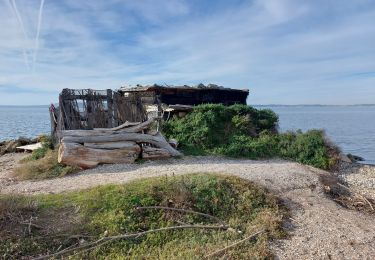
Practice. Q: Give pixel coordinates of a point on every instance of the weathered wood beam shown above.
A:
(111, 145)
(154, 153)
(75, 154)
(104, 131)
(126, 124)
(156, 140)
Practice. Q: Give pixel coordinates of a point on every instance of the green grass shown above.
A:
(243, 131)
(112, 210)
(42, 168)
(42, 163)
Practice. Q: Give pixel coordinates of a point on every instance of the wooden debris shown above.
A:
(124, 125)
(110, 145)
(173, 143)
(100, 132)
(75, 154)
(30, 147)
(88, 148)
(154, 153)
(156, 140)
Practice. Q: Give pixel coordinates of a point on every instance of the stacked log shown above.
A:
(122, 144)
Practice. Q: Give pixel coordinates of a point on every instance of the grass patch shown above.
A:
(42, 163)
(111, 210)
(243, 131)
(42, 168)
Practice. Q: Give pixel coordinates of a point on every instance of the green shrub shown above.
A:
(111, 210)
(309, 148)
(213, 125)
(243, 131)
(39, 153)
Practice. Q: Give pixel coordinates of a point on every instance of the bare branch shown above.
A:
(109, 239)
(234, 244)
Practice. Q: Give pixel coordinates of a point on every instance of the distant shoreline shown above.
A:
(317, 105)
(254, 105)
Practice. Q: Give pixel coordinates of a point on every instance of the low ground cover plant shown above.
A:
(46, 224)
(42, 163)
(243, 131)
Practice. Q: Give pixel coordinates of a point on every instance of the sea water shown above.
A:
(352, 128)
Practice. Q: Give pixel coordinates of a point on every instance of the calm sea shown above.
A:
(28, 121)
(351, 127)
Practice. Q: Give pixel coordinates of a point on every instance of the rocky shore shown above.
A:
(358, 177)
(10, 146)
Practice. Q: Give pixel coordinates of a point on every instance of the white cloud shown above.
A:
(286, 51)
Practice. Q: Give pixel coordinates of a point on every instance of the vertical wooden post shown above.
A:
(115, 108)
(89, 111)
(109, 108)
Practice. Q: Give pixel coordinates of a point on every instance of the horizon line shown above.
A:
(254, 105)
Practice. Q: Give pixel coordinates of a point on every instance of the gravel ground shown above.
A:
(319, 228)
(360, 178)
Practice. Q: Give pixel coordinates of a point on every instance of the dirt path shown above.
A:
(320, 229)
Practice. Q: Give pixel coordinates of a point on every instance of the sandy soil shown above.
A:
(7, 163)
(319, 228)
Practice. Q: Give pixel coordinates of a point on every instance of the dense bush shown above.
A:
(243, 131)
(212, 125)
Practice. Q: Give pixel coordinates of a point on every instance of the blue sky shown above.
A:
(284, 51)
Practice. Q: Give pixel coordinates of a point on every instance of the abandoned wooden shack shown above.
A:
(89, 109)
(105, 126)
(186, 95)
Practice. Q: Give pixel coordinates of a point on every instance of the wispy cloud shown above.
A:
(285, 51)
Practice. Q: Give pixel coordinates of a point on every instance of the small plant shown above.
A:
(43, 168)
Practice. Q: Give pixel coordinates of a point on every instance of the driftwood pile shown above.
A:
(122, 144)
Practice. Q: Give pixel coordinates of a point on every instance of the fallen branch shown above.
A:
(234, 244)
(186, 211)
(126, 124)
(131, 128)
(105, 240)
(358, 194)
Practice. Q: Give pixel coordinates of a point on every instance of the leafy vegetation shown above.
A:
(59, 221)
(243, 131)
(42, 163)
(39, 153)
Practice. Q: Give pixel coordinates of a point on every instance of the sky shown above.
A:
(283, 51)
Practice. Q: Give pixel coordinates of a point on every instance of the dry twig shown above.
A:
(234, 244)
(105, 240)
(358, 194)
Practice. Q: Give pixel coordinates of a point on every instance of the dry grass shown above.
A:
(43, 168)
